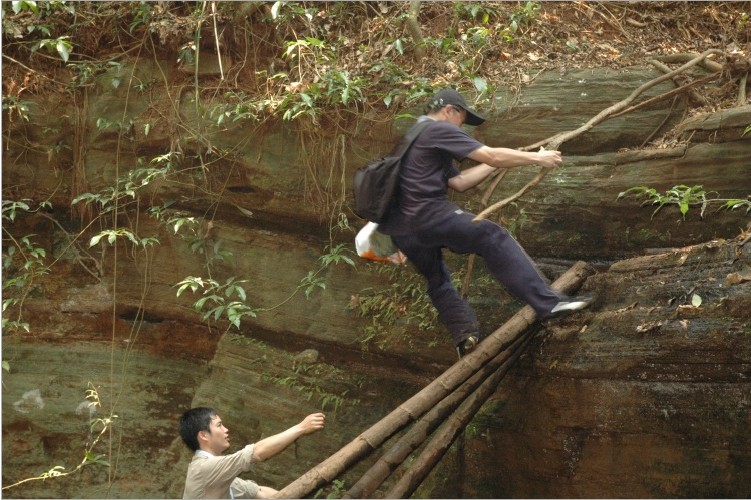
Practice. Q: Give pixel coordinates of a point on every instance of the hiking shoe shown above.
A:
(567, 305)
(466, 345)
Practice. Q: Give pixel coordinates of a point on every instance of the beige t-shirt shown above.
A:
(216, 477)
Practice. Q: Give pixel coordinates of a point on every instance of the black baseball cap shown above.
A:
(451, 96)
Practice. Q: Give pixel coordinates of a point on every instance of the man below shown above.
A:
(424, 221)
(213, 475)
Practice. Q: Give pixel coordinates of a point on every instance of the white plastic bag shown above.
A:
(372, 245)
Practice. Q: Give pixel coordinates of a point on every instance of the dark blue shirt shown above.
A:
(426, 170)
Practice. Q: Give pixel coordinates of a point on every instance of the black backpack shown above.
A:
(376, 184)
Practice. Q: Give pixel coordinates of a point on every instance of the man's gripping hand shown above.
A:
(549, 159)
(312, 423)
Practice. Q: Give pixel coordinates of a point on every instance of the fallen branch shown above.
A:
(742, 90)
(627, 157)
(705, 63)
(555, 141)
(666, 69)
(668, 94)
(492, 208)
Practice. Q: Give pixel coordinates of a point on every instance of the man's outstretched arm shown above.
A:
(493, 158)
(270, 446)
(509, 158)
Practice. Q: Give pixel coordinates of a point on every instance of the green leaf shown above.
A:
(6, 366)
(95, 240)
(307, 99)
(481, 84)
(131, 237)
(275, 10)
(399, 46)
(684, 208)
(199, 303)
(696, 300)
(63, 50)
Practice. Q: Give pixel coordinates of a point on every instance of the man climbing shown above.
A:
(424, 221)
(212, 475)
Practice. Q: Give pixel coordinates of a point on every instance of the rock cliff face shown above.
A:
(644, 395)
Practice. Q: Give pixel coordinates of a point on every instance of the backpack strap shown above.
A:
(411, 136)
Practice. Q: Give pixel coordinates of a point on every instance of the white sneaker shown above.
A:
(568, 305)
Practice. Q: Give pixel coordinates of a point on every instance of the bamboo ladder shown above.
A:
(443, 408)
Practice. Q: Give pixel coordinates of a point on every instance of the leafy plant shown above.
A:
(325, 399)
(475, 11)
(127, 186)
(98, 427)
(141, 15)
(522, 16)
(23, 264)
(479, 35)
(287, 12)
(684, 197)
(341, 88)
(337, 489)
(313, 281)
(61, 45)
(393, 308)
(14, 106)
(38, 12)
(111, 236)
(219, 300)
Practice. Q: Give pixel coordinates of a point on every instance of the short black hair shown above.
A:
(194, 421)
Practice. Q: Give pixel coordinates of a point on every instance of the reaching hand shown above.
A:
(312, 423)
(549, 159)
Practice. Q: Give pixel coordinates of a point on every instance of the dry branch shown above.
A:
(742, 90)
(555, 141)
(705, 63)
(666, 69)
(667, 95)
(413, 26)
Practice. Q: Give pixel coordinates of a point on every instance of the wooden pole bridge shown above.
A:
(439, 412)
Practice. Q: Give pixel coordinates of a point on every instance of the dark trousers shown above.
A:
(505, 259)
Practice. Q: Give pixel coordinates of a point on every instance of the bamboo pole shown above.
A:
(449, 431)
(413, 439)
(429, 396)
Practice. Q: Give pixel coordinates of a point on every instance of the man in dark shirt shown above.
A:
(425, 221)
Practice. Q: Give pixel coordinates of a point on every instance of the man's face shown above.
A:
(217, 439)
(456, 115)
